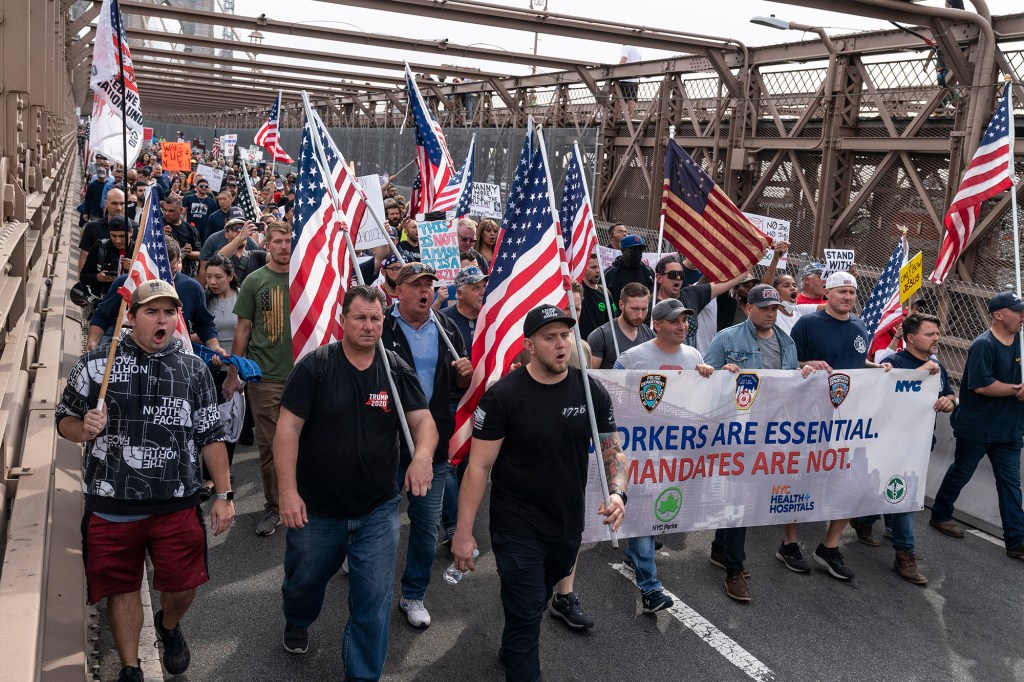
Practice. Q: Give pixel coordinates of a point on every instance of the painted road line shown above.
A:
(715, 638)
(149, 653)
(985, 536)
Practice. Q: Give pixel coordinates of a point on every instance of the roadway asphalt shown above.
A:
(967, 624)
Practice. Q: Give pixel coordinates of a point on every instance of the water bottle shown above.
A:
(452, 575)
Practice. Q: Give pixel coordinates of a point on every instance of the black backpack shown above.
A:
(322, 354)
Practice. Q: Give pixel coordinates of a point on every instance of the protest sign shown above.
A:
(910, 277)
(253, 154)
(176, 156)
(147, 135)
(837, 260)
(370, 234)
(766, 447)
(215, 176)
(486, 201)
(775, 228)
(228, 143)
(439, 247)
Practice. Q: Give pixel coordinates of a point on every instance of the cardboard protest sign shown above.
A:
(837, 260)
(176, 156)
(370, 234)
(439, 248)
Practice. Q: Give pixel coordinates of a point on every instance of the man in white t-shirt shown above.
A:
(629, 86)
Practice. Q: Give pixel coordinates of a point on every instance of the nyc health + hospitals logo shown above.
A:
(895, 489)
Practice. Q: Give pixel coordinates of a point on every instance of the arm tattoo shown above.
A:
(614, 460)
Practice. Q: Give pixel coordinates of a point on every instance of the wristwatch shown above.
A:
(229, 496)
(621, 494)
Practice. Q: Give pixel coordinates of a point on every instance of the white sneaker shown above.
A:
(415, 612)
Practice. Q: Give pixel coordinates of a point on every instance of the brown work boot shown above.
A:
(948, 527)
(736, 587)
(863, 531)
(907, 567)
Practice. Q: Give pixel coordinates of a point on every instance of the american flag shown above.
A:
(416, 195)
(578, 229)
(434, 161)
(215, 150)
(268, 137)
(463, 181)
(989, 173)
(701, 221)
(247, 197)
(320, 269)
(151, 261)
(515, 191)
(883, 310)
(526, 272)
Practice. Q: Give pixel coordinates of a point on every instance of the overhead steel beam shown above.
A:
(227, 90)
(215, 75)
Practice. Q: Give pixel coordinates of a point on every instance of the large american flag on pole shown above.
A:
(703, 223)
(268, 136)
(526, 272)
(578, 229)
(434, 161)
(989, 173)
(883, 310)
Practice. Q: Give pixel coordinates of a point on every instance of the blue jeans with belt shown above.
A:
(314, 553)
(424, 517)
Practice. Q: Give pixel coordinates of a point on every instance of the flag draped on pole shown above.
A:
(152, 262)
(247, 197)
(107, 127)
(320, 269)
(268, 136)
(525, 273)
(988, 174)
(578, 229)
(416, 195)
(702, 223)
(883, 310)
(434, 161)
(458, 194)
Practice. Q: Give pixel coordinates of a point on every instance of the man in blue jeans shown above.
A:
(921, 334)
(990, 421)
(336, 456)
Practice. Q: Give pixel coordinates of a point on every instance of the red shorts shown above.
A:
(115, 553)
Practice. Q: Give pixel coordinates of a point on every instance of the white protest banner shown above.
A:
(215, 176)
(766, 447)
(439, 248)
(775, 228)
(486, 201)
(228, 143)
(607, 255)
(837, 260)
(370, 234)
(253, 154)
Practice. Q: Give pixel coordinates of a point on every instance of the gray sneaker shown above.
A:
(269, 523)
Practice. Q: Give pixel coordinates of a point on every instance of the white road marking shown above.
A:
(985, 536)
(715, 638)
(149, 654)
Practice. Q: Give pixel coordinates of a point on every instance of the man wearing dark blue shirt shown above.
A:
(990, 421)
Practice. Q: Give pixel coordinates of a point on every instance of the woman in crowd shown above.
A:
(486, 239)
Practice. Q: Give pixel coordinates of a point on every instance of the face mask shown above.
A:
(632, 257)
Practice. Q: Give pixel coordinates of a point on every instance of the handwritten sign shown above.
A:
(910, 277)
(486, 200)
(176, 156)
(227, 143)
(775, 228)
(837, 260)
(253, 154)
(215, 176)
(370, 234)
(439, 247)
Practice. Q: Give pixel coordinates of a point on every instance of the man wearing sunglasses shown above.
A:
(467, 240)
(199, 207)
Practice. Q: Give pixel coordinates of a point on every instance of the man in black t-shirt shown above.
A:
(199, 207)
(531, 435)
(990, 421)
(595, 299)
(336, 459)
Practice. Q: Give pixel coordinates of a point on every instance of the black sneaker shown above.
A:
(568, 609)
(176, 656)
(655, 600)
(295, 639)
(449, 535)
(831, 560)
(791, 556)
(131, 674)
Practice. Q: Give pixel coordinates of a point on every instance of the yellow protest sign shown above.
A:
(910, 277)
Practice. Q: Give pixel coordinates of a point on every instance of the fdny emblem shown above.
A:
(838, 388)
(747, 384)
(652, 389)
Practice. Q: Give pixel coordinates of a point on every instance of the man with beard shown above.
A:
(594, 312)
(183, 233)
(199, 207)
(629, 267)
(387, 281)
(616, 233)
(410, 237)
(393, 214)
(628, 328)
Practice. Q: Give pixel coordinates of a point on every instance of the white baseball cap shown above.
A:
(840, 279)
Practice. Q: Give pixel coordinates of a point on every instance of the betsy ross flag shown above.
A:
(151, 261)
(989, 173)
(108, 129)
(320, 268)
(434, 161)
(268, 136)
(578, 229)
(459, 192)
(883, 310)
(526, 272)
(702, 223)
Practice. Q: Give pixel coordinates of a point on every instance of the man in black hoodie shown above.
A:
(629, 267)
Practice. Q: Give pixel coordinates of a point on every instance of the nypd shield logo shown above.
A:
(838, 388)
(747, 384)
(652, 389)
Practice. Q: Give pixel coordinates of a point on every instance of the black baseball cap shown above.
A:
(1006, 299)
(544, 315)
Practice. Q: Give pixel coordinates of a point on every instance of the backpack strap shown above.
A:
(320, 358)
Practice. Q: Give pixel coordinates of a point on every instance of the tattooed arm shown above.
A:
(615, 468)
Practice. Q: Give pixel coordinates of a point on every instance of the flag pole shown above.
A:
(329, 183)
(124, 111)
(661, 239)
(602, 477)
(1013, 195)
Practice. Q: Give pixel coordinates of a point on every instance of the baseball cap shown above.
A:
(811, 269)
(631, 240)
(670, 309)
(235, 217)
(470, 274)
(117, 222)
(414, 271)
(840, 279)
(748, 278)
(543, 315)
(1006, 299)
(151, 289)
(765, 295)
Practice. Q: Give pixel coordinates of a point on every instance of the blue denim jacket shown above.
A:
(738, 345)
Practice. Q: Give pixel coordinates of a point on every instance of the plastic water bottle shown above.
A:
(452, 574)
